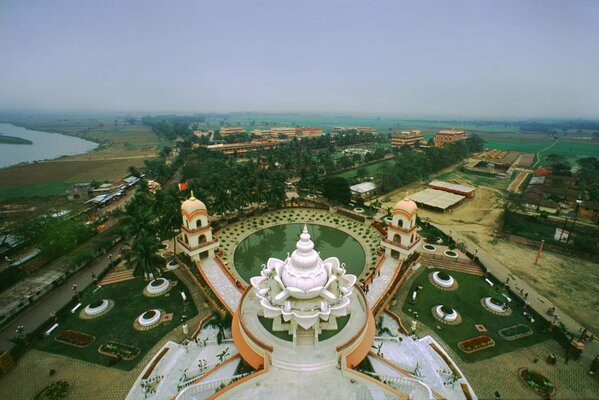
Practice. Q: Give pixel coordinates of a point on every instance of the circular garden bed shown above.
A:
(496, 306)
(158, 286)
(97, 307)
(442, 280)
(429, 247)
(446, 314)
(450, 254)
(149, 318)
(172, 265)
(537, 382)
(54, 391)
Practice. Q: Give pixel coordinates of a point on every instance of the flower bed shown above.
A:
(515, 332)
(476, 344)
(537, 382)
(54, 391)
(75, 338)
(118, 350)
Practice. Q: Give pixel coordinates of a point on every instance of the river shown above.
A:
(45, 146)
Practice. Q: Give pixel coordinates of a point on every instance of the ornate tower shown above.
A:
(196, 239)
(402, 237)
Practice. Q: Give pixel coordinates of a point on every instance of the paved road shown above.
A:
(40, 310)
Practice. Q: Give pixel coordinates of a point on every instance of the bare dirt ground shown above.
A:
(571, 283)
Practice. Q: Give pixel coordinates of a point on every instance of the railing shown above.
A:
(364, 303)
(204, 386)
(237, 283)
(200, 287)
(247, 332)
(401, 246)
(399, 228)
(458, 260)
(413, 387)
(199, 246)
(377, 267)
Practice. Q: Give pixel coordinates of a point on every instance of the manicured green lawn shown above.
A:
(466, 301)
(117, 324)
(371, 170)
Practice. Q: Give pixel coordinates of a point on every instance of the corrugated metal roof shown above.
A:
(452, 186)
(436, 198)
(363, 187)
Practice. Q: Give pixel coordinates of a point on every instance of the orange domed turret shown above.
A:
(192, 205)
(406, 205)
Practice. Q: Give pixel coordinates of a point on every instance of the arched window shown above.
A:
(396, 239)
(185, 238)
(202, 239)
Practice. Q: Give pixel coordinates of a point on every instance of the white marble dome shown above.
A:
(304, 289)
(304, 269)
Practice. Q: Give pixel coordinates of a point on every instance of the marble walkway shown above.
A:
(380, 283)
(220, 283)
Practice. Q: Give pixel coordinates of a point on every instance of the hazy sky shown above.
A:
(455, 58)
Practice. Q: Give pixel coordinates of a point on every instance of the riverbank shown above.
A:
(120, 145)
(4, 139)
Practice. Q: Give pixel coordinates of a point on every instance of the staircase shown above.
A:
(453, 265)
(115, 277)
(305, 337)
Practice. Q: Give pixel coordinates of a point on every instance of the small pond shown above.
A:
(279, 240)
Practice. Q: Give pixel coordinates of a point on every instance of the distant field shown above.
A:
(571, 150)
(14, 192)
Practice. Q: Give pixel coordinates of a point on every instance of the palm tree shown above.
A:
(220, 322)
(143, 256)
(169, 214)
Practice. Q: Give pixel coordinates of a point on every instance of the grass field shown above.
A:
(371, 169)
(117, 324)
(466, 301)
(571, 150)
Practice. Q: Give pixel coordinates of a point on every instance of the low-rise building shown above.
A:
(231, 131)
(406, 138)
(449, 136)
(589, 210)
(363, 190)
(308, 132)
(283, 130)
